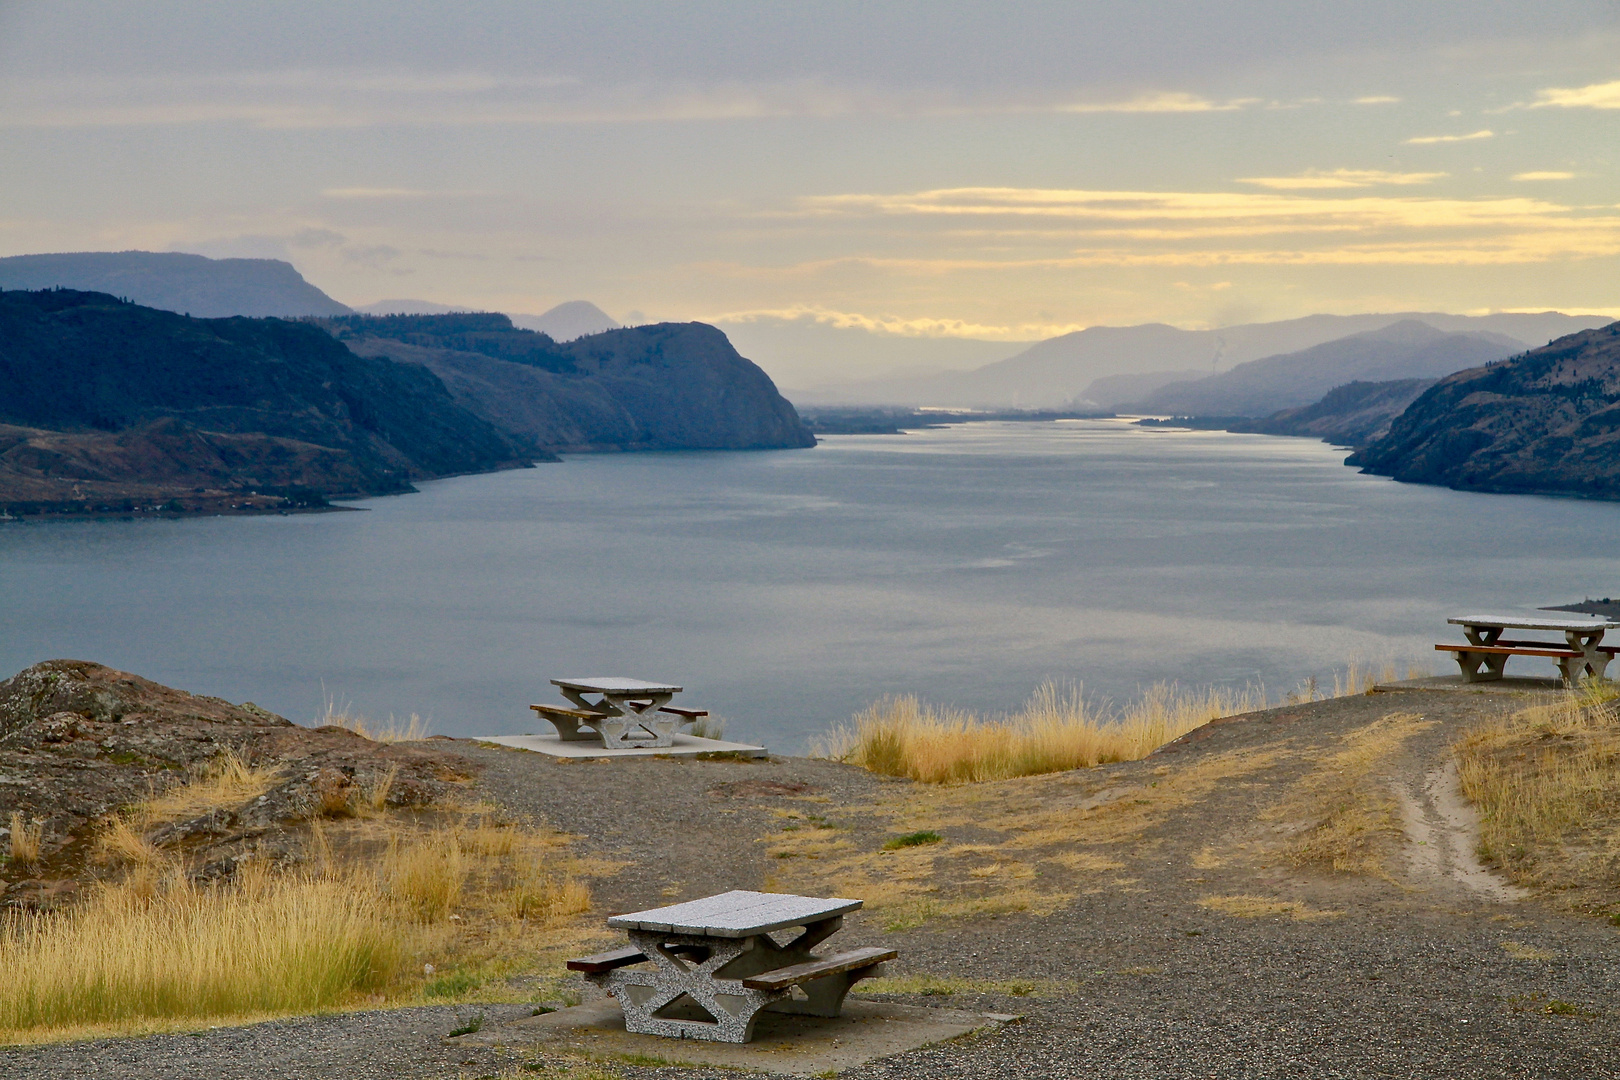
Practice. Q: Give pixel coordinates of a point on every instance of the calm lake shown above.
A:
(786, 590)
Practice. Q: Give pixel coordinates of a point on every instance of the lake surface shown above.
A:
(786, 590)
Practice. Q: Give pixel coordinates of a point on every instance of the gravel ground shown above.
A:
(1416, 977)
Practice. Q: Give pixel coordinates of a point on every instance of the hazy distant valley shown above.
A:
(491, 390)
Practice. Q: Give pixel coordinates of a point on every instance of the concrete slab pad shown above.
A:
(1508, 685)
(684, 746)
(783, 1044)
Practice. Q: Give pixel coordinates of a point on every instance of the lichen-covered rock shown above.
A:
(80, 741)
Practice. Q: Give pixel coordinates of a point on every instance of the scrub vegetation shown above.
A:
(1546, 782)
(1056, 730)
(380, 909)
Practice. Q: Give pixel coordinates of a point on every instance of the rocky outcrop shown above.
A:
(670, 386)
(1547, 421)
(111, 402)
(1350, 415)
(80, 741)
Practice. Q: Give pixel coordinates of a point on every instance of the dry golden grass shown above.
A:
(426, 875)
(1259, 907)
(267, 944)
(1351, 820)
(24, 840)
(382, 910)
(123, 840)
(1520, 951)
(342, 715)
(1055, 731)
(1546, 783)
(374, 795)
(224, 783)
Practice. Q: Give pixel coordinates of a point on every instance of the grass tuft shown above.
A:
(428, 875)
(24, 840)
(336, 714)
(1056, 730)
(224, 783)
(916, 839)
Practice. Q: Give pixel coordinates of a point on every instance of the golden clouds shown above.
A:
(1342, 178)
(1161, 103)
(985, 227)
(1597, 96)
(1428, 140)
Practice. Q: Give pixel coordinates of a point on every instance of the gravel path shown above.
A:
(1419, 975)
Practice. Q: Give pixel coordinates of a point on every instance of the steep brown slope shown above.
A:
(1547, 421)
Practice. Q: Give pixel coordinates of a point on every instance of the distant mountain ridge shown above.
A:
(1058, 371)
(171, 281)
(1404, 350)
(1547, 422)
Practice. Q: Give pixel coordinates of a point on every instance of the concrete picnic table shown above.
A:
(626, 712)
(1485, 657)
(716, 966)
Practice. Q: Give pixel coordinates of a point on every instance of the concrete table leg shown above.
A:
(631, 720)
(1592, 662)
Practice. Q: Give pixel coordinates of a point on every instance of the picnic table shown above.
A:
(1582, 653)
(716, 966)
(626, 712)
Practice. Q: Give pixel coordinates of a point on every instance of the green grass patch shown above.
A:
(916, 839)
(452, 984)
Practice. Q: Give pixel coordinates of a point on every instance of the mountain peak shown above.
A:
(569, 320)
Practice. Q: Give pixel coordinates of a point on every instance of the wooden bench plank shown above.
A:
(690, 714)
(607, 961)
(1498, 650)
(577, 714)
(782, 978)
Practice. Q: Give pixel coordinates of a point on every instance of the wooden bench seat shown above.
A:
(837, 964)
(559, 710)
(1514, 649)
(690, 714)
(607, 961)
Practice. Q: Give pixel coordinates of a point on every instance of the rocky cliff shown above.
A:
(671, 386)
(105, 404)
(1547, 421)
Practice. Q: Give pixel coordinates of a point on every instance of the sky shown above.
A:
(980, 170)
